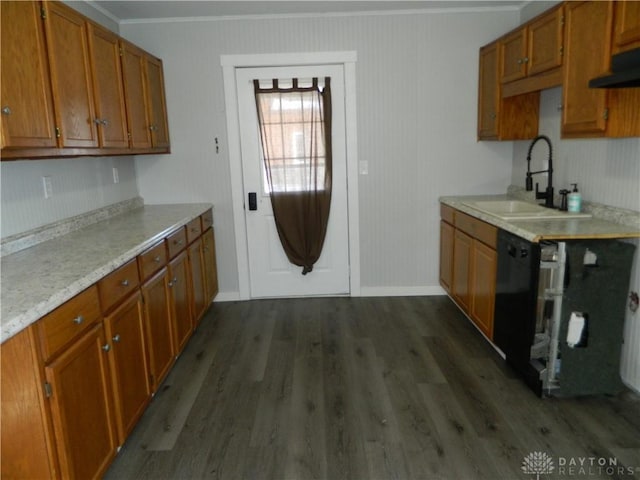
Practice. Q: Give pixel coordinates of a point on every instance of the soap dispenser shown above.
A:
(575, 199)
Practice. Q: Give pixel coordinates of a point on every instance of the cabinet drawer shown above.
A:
(176, 242)
(446, 213)
(207, 220)
(152, 260)
(118, 284)
(477, 228)
(194, 229)
(68, 321)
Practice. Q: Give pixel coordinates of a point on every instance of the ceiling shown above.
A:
(133, 10)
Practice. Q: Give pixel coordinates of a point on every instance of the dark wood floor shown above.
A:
(363, 388)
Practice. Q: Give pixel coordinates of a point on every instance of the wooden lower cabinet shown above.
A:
(468, 265)
(446, 255)
(461, 291)
(210, 264)
(82, 408)
(158, 327)
(26, 445)
(199, 303)
(74, 384)
(484, 261)
(128, 360)
(180, 301)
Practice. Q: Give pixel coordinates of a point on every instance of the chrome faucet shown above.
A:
(548, 193)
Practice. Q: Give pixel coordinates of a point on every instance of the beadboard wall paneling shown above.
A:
(416, 108)
(607, 171)
(79, 186)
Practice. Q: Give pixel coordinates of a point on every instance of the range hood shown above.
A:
(625, 71)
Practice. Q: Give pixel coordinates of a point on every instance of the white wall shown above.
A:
(416, 107)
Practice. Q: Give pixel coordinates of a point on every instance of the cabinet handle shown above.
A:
(525, 60)
(153, 128)
(157, 259)
(519, 61)
(106, 347)
(124, 283)
(78, 320)
(175, 280)
(97, 121)
(6, 110)
(116, 339)
(105, 122)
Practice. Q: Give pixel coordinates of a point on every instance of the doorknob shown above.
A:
(253, 201)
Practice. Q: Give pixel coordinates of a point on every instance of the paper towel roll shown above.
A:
(576, 326)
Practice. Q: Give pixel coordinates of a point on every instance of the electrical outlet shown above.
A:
(116, 176)
(47, 187)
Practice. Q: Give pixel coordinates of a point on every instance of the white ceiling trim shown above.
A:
(278, 16)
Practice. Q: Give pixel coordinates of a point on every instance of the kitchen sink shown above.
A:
(520, 210)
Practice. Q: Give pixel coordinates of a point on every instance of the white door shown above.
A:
(271, 274)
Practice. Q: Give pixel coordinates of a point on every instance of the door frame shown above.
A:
(229, 65)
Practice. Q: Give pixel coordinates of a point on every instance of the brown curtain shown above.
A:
(295, 130)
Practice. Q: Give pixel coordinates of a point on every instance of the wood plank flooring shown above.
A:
(364, 388)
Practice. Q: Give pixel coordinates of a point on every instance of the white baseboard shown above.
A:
(401, 291)
(227, 297)
(364, 292)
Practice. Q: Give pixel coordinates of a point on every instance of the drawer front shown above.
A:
(176, 242)
(118, 284)
(152, 260)
(207, 220)
(68, 321)
(194, 229)
(487, 234)
(446, 213)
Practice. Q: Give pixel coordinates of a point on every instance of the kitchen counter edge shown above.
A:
(16, 318)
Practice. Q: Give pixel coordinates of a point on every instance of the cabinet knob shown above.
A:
(519, 61)
(106, 347)
(6, 110)
(116, 339)
(153, 128)
(78, 320)
(157, 259)
(124, 283)
(97, 121)
(525, 60)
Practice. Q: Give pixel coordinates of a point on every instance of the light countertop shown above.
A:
(553, 229)
(35, 281)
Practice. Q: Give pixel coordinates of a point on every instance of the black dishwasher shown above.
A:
(515, 307)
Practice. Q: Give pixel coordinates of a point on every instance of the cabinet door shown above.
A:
(81, 407)
(25, 436)
(67, 46)
(26, 104)
(545, 42)
(461, 290)
(446, 255)
(159, 126)
(133, 60)
(111, 115)
(210, 264)
(124, 328)
(196, 268)
(483, 287)
(587, 47)
(513, 56)
(488, 93)
(626, 34)
(158, 327)
(180, 304)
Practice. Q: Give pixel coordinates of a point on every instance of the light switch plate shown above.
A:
(364, 167)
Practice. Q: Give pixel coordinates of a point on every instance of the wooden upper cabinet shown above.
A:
(26, 105)
(159, 126)
(514, 56)
(587, 48)
(68, 51)
(135, 89)
(111, 115)
(545, 42)
(488, 93)
(626, 34)
(512, 118)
